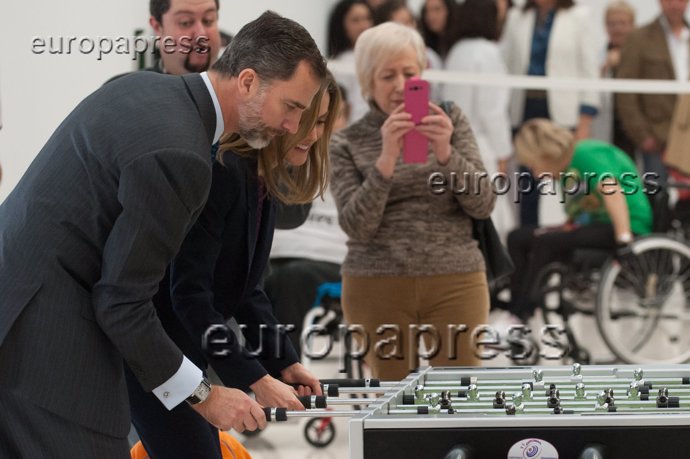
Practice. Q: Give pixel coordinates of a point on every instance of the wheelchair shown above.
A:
(326, 316)
(641, 305)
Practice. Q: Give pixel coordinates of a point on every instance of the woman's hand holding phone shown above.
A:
(438, 128)
(393, 129)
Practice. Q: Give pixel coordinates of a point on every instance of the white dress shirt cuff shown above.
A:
(180, 385)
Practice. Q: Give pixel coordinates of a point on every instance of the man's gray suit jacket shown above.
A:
(85, 238)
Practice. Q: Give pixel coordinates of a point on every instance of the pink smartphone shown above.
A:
(415, 144)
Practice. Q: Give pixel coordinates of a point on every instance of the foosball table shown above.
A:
(578, 412)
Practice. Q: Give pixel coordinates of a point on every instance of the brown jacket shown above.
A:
(645, 55)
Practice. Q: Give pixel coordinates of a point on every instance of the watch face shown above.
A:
(200, 393)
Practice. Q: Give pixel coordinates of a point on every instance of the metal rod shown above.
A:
(361, 390)
(350, 401)
(281, 414)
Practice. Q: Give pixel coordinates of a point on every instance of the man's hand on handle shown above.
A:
(231, 409)
(273, 393)
(297, 374)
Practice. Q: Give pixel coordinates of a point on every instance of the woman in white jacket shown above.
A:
(551, 38)
(476, 51)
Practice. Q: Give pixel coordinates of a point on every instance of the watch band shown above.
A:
(200, 393)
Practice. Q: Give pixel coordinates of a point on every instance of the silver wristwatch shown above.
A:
(200, 393)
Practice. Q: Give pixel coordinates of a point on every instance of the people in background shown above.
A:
(659, 51)
(550, 38)
(620, 21)
(437, 25)
(486, 108)
(348, 19)
(411, 258)
(398, 11)
(375, 3)
(606, 204)
(196, 20)
(503, 7)
(185, 22)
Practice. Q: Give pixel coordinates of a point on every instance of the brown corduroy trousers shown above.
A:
(397, 312)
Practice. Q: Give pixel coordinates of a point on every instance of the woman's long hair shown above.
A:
(294, 184)
(338, 41)
(478, 19)
(444, 41)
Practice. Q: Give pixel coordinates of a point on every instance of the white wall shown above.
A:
(38, 91)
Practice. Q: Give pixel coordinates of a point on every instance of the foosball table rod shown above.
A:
(321, 401)
(282, 414)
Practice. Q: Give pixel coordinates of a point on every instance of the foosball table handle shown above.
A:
(313, 401)
(275, 414)
(331, 390)
(348, 382)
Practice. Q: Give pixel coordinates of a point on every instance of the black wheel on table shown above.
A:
(319, 432)
(643, 304)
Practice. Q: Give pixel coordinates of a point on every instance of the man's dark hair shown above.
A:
(158, 8)
(478, 19)
(273, 46)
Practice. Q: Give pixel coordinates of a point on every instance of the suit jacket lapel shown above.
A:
(201, 97)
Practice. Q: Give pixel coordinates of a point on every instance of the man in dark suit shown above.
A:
(87, 233)
(658, 51)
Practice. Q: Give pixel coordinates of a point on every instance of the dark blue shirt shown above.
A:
(540, 45)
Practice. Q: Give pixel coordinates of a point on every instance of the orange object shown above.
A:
(230, 447)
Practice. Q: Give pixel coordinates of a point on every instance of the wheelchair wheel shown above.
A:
(319, 432)
(643, 304)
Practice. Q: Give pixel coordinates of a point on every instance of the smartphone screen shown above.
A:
(415, 144)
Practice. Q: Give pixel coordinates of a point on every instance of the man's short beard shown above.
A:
(198, 68)
(252, 128)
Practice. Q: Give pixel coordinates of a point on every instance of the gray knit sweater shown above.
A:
(396, 226)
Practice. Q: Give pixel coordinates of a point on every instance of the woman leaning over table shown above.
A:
(411, 257)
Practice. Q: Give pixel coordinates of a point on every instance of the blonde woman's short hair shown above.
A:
(620, 6)
(378, 44)
(540, 139)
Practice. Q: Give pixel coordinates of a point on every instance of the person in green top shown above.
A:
(604, 198)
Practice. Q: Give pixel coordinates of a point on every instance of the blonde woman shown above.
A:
(216, 276)
(605, 203)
